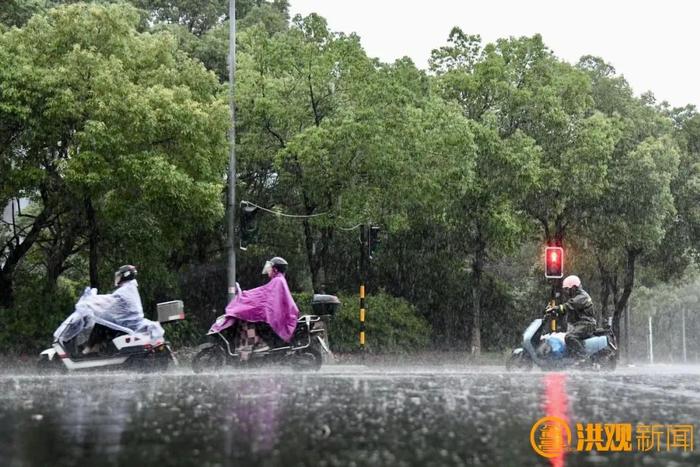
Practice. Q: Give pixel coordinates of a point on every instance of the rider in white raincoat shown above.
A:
(122, 308)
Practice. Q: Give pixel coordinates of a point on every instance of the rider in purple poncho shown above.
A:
(271, 303)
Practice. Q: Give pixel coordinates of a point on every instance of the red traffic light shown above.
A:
(554, 262)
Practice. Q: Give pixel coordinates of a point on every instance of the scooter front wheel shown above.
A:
(209, 358)
(50, 366)
(519, 362)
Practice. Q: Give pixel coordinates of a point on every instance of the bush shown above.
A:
(189, 332)
(391, 324)
(29, 326)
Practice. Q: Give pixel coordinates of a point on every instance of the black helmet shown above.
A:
(277, 263)
(124, 274)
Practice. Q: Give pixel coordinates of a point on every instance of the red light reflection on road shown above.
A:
(556, 404)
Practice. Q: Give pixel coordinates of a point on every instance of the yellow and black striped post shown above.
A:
(363, 276)
(362, 316)
(552, 303)
(553, 299)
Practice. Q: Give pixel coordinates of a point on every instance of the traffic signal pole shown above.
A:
(627, 332)
(685, 349)
(554, 298)
(363, 238)
(369, 244)
(651, 342)
(230, 240)
(554, 272)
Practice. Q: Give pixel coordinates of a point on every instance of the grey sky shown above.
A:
(654, 44)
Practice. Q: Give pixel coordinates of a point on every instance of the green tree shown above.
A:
(18, 12)
(113, 126)
(679, 248)
(485, 214)
(637, 207)
(319, 132)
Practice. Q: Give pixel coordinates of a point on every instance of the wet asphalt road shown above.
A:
(341, 416)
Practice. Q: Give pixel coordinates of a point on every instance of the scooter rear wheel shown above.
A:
(209, 358)
(606, 360)
(151, 363)
(309, 359)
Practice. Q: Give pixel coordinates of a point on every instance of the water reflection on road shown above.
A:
(556, 406)
(341, 416)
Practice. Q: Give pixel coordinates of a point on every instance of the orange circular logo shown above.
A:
(550, 436)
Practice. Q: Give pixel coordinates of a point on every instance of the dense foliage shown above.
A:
(113, 123)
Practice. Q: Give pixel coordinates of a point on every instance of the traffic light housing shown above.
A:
(554, 262)
(373, 242)
(248, 225)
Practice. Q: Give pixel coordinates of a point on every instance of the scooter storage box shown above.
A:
(171, 311)
(325, 304)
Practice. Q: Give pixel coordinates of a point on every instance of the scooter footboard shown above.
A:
(595, 344)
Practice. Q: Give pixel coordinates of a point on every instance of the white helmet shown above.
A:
(124, 273)
(279, 263)
(571, 281)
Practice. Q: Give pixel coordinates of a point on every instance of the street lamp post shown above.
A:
(627, 332)
(230, 241)
(685, 349)
(651, 342)
(691, 301)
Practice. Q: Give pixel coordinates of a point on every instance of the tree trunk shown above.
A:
(93, 238)
(57, 257)
(628, 284)
(16, 253)
(476, 322)
(313, 257)
(53, 271)
(559, 230)
(326, 273)
(477, 272)
(602, 312)
(7, 293)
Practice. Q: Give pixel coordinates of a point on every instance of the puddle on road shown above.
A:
(342, 415)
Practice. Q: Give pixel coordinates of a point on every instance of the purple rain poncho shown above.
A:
(271, 303)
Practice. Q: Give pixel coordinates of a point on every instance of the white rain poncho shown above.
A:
(120, 310)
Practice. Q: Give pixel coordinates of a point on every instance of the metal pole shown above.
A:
(627, 332)
(363, 238)
(685, 353)
(555, 299)
(230, 241)
(651, 343)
